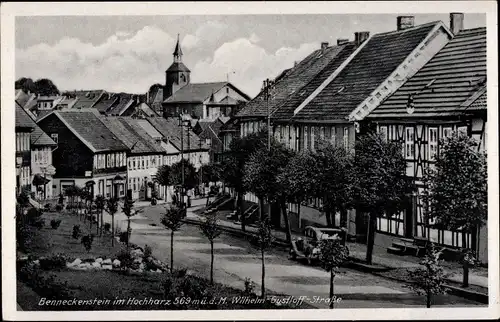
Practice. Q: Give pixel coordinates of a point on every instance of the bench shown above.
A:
(416, 245)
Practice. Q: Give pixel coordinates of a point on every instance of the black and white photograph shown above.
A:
(249, 160)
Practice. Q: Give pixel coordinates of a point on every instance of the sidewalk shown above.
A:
(358, 251)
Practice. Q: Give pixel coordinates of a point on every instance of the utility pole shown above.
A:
(267, 94)
(181, 124)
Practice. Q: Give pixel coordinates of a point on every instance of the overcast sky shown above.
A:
(130, 53)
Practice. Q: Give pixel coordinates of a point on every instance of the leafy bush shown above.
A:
(107, 227)
(249, 287)
(76, 231)
(125, 258)
(33, 215)
(55, 223)
(59, 207)
(39, 223)
(55, 262)
(148, 251)
(47, 287)
(124, 236)
(47, 207)
(87, 242)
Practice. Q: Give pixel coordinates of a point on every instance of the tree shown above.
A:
(265, 240)
(190, 176)
(89, 199)
(262, 177)
(211, 229)
(163, 177)
(380, 184)
(173, 220)
(43, 86)
(457, 192)
(128, 210)
(112, 208)
(209, 173)
(23, 201)
(430, 279)
(334, 166)
(233, 166)
(299, 178)
(332, 255)
(100, 203)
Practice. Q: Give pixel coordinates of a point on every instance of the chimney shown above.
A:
(324, 45)
(342, 41)
(405, 22)
(456, 22)
(360, 37)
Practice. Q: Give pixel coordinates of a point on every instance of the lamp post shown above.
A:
(267, 87)
(182, 159)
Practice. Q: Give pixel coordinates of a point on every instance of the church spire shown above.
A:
(178, 51)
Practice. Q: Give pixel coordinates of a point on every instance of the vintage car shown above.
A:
(307, 247)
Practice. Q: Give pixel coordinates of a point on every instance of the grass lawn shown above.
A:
(48, 241)
(94, 285)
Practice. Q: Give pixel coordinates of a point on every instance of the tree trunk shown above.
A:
(172, 252)
(473, 240)
(261, 208)
(332, 277)
(328, 219)
(343, 218)
(212, 262)
(465, 277)
(287, 223)
(240, 210)
(113, 230)
(372, 226)
(208, 199)
(429, 299)
(262, 286)
(298, 214)
(128, 232)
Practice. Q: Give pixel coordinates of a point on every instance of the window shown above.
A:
(447, 132)
(142, 162)
(277, 133)
(433, 142)
(292, 138)
(409, 143)
(55, 137)
(383, 132)
(332, 135)
(208, 142)
(462, 130)
(346, 138)
(313, 129)
(153, 161)
(108, 160)
(130, 163)
(306, 137)
(147, 162)
(135, 184)
(322, 133)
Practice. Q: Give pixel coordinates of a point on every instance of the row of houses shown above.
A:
(113, 156)
(415, 85)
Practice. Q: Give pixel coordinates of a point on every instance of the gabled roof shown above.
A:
(195, 92)
(477, 103)
(135, 125)
(105, 102)
(129, 136)
(149, 129)
(122, 102)
(86, 99)
(292, 81)
(22, 119)
(379, 57)
(39, 138)
(87, 126)
(66, 101)
(170, 129)
(446, 82)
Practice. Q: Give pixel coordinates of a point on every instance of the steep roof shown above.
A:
(39, 138)
(122, 102)
(170, 129)
(444, 84)
(195, 92)
(86, 99)
(292, 81)
(88, 127)
(178, 67)
(129, 136)
(105, 102)
(135, 125)
(376, 61)
(22, 119)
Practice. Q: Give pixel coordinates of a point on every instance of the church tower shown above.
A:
(177, 75)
